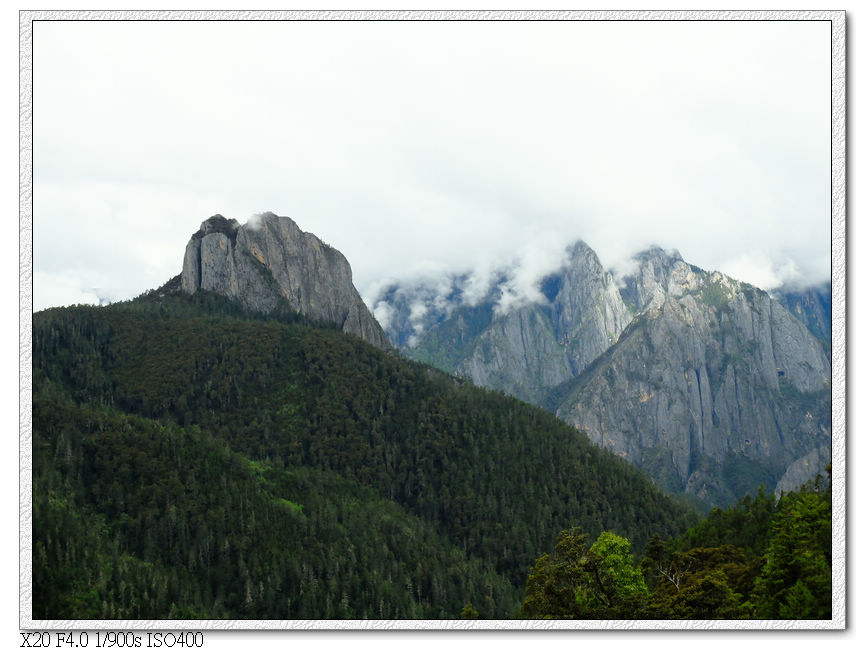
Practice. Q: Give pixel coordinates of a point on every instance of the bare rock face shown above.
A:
(811, 305)
(270, 258)
(527, 350)
(803, 469)
(708, 384)
(713, 389)
(518, 353)
(588, 311)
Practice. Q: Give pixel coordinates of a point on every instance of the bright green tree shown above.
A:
(577, 582)
(619, 585)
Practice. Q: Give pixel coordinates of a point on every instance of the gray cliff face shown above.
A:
(589, 314)
(709, 385)
(659, 274)
(804, 469)
(523, 351)
(518, 353)
(812, 306)
(716, 389)
(269, 259)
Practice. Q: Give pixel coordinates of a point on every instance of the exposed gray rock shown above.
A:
(811, 305)
(522, 351)
(714, 391)
(708, 384)
(270, 258)
(518, 353)
(659, 274)
(588, 311)
(803, 469)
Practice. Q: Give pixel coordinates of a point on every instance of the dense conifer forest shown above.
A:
(193, 460)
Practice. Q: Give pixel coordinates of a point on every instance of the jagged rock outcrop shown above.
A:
(708, 384)
(588, 311)
(659, 274)
(811, 305)
(518, 353)
(712, 390)
(804, 469)
(269, 259)
(524, 350)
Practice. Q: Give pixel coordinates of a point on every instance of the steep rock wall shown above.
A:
(271, 258)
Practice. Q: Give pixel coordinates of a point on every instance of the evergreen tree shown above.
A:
(796, 578)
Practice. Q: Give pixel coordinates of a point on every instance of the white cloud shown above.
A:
(254, 222)
(538, 257)
(478, 285)
(384, 313)
(757, 268)
(416, 313)
(432, 145)
(624, 269)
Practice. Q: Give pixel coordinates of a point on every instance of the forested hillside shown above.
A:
(195, 460)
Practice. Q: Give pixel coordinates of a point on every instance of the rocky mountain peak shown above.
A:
(705, 382)
(658, 273)
(218, 223)
(588, 311)
(713, 389)
(657, 255)
(581, 252)
(270, 259)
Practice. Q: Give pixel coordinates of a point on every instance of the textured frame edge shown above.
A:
(837, 21)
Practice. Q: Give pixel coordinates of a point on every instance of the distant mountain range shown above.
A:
(710, 385)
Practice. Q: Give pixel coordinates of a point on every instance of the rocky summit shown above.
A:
(713, 389)
(270, 259)
(710, 385)
(525, 350)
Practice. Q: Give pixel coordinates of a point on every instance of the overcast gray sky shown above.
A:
(416, 147)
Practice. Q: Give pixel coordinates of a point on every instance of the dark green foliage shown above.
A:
(744, 475)
(702, 583)
(796, 578)
(763, 558)
(744, 525)
(557, 583)
(195, 460)
(218, 223)
(214, 535)
(715, 294)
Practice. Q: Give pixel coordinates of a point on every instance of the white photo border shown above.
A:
(838, 297)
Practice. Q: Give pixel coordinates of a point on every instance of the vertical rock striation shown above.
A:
(713, 389)
(270, 259)
(589, 314)
(708, 384)
(527, 350)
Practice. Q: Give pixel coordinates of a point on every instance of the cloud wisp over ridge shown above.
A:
(413, 145)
